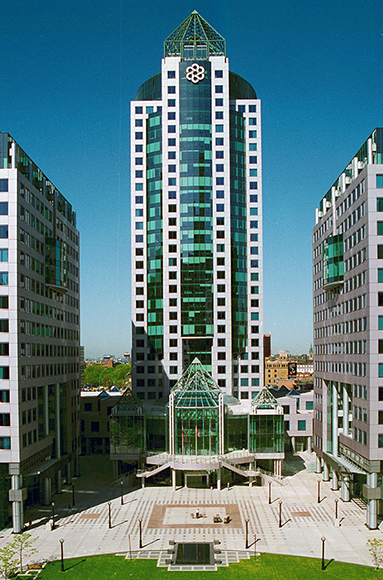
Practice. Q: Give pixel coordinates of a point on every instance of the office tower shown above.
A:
(39, 335)
(196, 219)
(348, 323)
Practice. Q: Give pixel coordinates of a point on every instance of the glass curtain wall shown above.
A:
(238, 233)
(196, 215)
(266, 433)
(154, 234)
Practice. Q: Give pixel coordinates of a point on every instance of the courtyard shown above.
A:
(240, 520)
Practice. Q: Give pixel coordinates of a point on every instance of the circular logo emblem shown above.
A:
(195, 73)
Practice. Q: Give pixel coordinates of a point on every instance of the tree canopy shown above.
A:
(97, 375)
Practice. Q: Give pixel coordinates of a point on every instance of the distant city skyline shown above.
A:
(73, 69)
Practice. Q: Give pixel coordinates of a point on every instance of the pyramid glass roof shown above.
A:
(196, 388)
(197, 33)
(128, 404)
(265, 400)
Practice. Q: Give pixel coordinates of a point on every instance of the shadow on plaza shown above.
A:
(94, 486)
(292, 464)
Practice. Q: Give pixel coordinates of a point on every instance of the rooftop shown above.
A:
(195, 39)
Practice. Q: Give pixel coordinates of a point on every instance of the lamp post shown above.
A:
(140, 526)
(122, 493)
(73, 500)
(269, 492)
(246, 534)
(62, 554)
(336, 509)
(109, 514)
(323, 541)
(53, 515)
(280, 514)
(318, 490)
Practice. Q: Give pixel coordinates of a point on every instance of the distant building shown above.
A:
(297, 405)
(95, 410)
(276, 367)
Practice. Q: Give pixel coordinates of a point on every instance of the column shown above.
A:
(318, 468)
(174, 479)
(346, 411)
(334, 481)
(59, 482)
(293, 443)
(47, 490)
(69, 473)
(309, 444)
(345, 487)
(325, 476)
(371, 516)
(277, 467)
(17, 506)
(334, 420)
(219, 479)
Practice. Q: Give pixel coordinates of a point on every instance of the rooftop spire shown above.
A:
(195, 39)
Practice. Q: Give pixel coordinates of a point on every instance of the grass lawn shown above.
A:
(266, 566)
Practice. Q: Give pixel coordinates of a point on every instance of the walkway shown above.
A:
(167, 515)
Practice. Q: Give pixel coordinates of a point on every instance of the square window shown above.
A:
(252, 108)
(3, 232)
(139, 148)
(252, 134)
(4, 208)
(219, 140)
(219, 114)
(138, 110)
(219, 74)
(171, 102)
(219, 88)
(220, 207)
(149, 110)
(253, 147)
(379, 204)
(220, 194)
(379, 181)
(301, 425)
(171, 115)
(252, 121)
(219, 154)
(219, 167)
(138, 123)
(242, 108)
(219, 102)
(220, 181)
(171, 90)
(139, 135)
(171, 74)
(139, 239)
(219, 128)
(171, 154)
(172, 142)
(172, 195)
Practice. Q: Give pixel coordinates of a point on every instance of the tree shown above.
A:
(23, 545)
(121, 371)
(8, 562)
(375, 547)
(107, 377)
(92, 374)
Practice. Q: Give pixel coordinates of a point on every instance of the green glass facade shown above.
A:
(154, 233)
(196, 213)
(333, 265)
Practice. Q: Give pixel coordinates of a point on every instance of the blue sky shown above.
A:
(70, 68)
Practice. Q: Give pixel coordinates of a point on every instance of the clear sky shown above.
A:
(70, 68)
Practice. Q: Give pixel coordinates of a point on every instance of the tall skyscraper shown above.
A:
(39, 335)
(196, 219)
(348, 324)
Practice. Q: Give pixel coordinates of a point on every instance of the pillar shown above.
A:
(335, 420)
(334, 480)
(371, 516)
(17, 506)
(59, 488)
(47, 490)
(325, 476)
(345, 487)
(277, 467)
(345, 411)
(142, 482)
(318, 467)
(174, 478)
(219, 479)
(309, 444)
(293, 443)
(69, 473)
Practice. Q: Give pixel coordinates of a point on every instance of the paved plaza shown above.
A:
(172, 515)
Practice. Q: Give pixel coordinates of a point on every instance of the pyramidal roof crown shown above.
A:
(195, 39)
(196, 388)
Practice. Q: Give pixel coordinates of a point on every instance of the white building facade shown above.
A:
(196, 219)
(348, 325)
(39, 334)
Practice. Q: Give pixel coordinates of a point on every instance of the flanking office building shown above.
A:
(348, 326)
(196, 220)
(39, 336)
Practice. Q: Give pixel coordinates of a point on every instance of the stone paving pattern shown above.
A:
(304, 521)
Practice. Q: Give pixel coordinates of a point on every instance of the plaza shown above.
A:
(166, 516)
